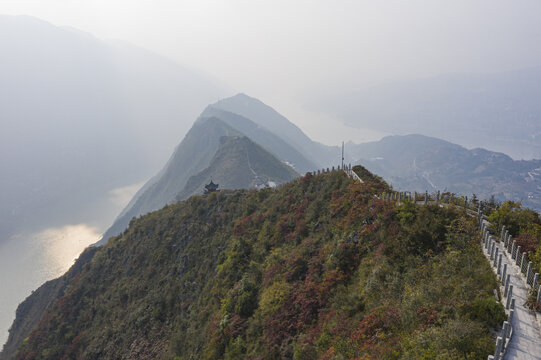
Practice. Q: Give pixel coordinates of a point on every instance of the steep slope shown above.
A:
(499, 111)
(239, 163)
(191, 156)
(318, 268)
(416, 162)
(273, 143)
(269, 118)
(195, 153)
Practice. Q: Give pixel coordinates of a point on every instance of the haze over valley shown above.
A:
(116, 118)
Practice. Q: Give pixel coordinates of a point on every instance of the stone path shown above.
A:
(526, 341)
(352, 174)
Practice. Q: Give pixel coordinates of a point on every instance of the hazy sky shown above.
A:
(285, 52)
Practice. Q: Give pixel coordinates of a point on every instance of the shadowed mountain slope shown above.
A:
(240, 163)
(269, 140)
(191, 156)
(265, 116)
(195, 153)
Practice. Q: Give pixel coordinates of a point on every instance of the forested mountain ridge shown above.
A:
(318, 268)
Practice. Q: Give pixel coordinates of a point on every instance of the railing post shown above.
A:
(507, 284)
(523, 262)
(509, 297)
(504, 274)
(505, 333)
(498, 349)
(529, 273)
(499, 268)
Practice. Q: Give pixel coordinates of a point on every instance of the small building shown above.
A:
(211, 187)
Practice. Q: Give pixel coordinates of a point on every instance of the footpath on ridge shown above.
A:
(520, 336)
(525, 342)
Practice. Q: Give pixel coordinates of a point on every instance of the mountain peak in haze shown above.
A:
(196, 160)
(239, 163)
(267, 117)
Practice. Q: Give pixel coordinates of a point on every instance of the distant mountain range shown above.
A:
(209, 151)
(261, 134)
(413, 162)
(195, 160)
(81, 117)
(417, 162)
(500, 111)
(240, 163)
(265, 116)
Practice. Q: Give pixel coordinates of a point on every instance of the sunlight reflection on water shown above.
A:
(28, 260)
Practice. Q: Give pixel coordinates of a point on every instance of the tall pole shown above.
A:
(342, 154)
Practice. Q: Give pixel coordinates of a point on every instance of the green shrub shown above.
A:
(488, 310)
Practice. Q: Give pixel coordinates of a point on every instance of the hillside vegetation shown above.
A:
(319, 268)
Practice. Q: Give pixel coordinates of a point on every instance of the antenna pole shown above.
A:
(342, 154)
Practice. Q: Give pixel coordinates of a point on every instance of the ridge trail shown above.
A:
(525, 344)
